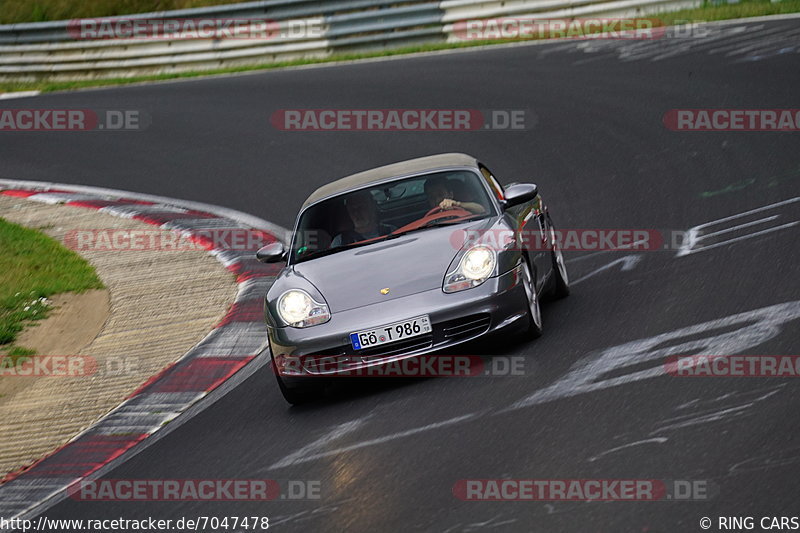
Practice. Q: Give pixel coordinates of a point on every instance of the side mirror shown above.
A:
(520, 193)
(272, 253)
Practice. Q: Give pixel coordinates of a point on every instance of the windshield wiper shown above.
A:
(329, 251)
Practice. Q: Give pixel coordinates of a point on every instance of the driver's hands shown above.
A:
(449, 203)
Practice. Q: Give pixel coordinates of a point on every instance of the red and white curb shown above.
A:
(233, 344)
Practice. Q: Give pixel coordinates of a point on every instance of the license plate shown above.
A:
(413, 327)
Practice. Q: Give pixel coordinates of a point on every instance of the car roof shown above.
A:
(403, 168)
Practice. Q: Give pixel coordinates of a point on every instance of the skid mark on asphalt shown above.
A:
(731, 405)
(734, 43)
(655, 440)
(303, 516)
(741, 406)
(494, 522)
(786, 457)
(299, 457)
(759, 183)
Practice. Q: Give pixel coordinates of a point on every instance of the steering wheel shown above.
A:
(432, 211)
(440, 214)
(437, 213)
(454, 213)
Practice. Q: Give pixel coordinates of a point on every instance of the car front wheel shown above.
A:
(534, 312)
(561, 286)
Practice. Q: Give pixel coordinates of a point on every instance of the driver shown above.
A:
(440, 194)
(363, 212)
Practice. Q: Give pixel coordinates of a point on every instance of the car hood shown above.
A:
(405, 265)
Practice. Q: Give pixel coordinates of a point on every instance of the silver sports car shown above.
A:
(405, 260)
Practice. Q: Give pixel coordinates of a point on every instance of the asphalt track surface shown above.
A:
(388, 455)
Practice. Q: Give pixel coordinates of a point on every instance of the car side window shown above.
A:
(497, 189)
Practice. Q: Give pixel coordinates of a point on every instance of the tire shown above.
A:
(534, 311)
(296, 396)
(561, 281)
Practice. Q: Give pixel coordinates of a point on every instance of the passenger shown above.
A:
(363, 212)
(440, 194)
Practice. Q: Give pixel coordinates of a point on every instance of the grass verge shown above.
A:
(708, 12)
(744, 9)
(13, 355)
(14, 11)
(34, 267)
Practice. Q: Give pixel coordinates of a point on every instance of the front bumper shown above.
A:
(455, 318)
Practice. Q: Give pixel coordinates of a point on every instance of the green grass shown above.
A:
(34, 267)
(14, 354)
(12, 11)
(746, 8)
(709, 12)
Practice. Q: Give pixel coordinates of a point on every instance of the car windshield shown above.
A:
(388, 210)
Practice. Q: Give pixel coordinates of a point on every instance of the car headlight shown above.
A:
(475, 267)
(299, 310)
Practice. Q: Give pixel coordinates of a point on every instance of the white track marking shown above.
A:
(750, 212)
(695, 235)
(741, 238)
(628, 262)
(18, 94)
(316, 448)
(755, 327)
(740, 226)
(619, 248)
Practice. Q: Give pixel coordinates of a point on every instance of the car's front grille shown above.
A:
(445, 333)
(465, 327)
